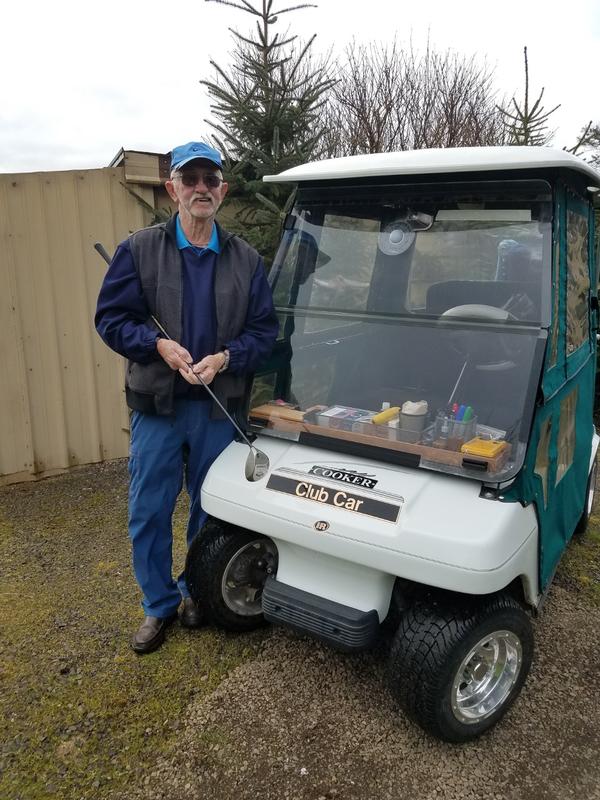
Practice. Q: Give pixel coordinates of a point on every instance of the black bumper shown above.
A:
(340, 626)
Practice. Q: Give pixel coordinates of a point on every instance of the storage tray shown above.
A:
(451, 457)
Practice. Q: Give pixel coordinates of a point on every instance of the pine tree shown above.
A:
(266, 106)
(588, 144)
(528, 125)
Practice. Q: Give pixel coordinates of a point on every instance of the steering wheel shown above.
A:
(478, 311)
(492, 352)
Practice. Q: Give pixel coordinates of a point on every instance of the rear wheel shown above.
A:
(589, 500)
(225, 571)
(456, 670)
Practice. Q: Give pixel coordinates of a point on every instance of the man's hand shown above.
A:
(176, 356)
(207, 368)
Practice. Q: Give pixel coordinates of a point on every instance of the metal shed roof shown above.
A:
(446, 160)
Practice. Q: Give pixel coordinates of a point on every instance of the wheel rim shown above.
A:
(592, 491)
(245, 575)
(486, 677)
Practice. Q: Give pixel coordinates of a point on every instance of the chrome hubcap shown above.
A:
(486, 677)
(245, 575)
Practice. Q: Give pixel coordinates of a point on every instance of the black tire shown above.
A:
(590, 489)
(225, 571)
(427, 670)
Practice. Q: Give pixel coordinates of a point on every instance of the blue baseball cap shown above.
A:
(189, 152)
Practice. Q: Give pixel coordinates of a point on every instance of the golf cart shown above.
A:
(424, 430)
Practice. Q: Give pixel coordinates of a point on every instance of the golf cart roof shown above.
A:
(436, 161)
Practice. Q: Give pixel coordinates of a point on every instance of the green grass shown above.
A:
(81, 716)
(580, 565)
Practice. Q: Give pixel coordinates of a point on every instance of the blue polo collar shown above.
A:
(182, 241)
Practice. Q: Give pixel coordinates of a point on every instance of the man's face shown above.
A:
(193, 190)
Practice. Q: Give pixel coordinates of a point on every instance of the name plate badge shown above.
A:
(307, 490)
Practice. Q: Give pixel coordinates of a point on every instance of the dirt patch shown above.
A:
(269, 715)
(303, 722)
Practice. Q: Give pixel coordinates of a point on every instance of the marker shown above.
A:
(468, 414)
(460, 413)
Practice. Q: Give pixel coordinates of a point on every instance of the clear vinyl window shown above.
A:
(555, 296)
(426, 299)
(578, 280)
(347, 250)
(478, 244)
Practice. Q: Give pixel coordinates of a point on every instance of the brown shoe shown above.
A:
(151, 634)
(191, 616)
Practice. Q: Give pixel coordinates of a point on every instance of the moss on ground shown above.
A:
(580, 565)
(81, 716)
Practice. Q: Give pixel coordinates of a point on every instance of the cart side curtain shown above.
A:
(556, 468)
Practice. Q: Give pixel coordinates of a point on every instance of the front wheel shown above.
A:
(225, 572)
(456, 669)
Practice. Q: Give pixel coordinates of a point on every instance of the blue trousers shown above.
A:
(162, 451)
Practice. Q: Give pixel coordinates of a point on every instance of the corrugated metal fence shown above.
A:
(61, 399)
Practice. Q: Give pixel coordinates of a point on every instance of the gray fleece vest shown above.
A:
(149, 387)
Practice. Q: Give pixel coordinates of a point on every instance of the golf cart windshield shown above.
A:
(412, 323)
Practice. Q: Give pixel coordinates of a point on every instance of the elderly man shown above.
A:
(208, 290)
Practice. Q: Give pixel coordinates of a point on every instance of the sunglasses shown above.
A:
(209, 179)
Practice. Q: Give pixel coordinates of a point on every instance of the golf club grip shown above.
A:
(101, 249)
(206, 387)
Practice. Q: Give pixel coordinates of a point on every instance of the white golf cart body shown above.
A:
(363, 512)
(447, 535)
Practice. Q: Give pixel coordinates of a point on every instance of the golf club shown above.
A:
(257, 463)
(102, 250)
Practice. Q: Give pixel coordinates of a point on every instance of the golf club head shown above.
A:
(257, 465)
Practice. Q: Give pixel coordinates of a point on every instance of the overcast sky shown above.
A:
(81, 80)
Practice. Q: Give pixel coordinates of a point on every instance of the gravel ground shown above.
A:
(303, 722)
(269, 715)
